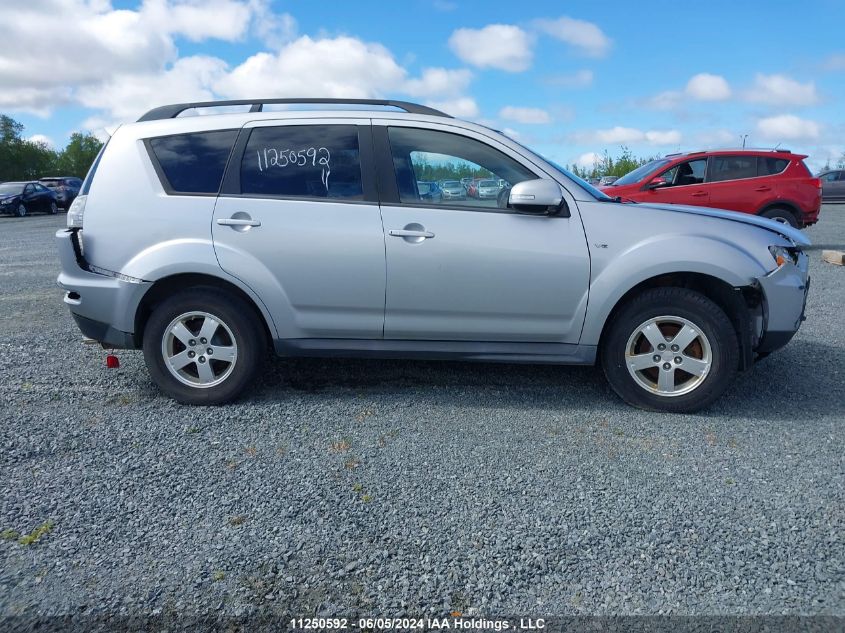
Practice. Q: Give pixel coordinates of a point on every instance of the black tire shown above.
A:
(781, 214)
(21, 210)
(54, 208)
(685, 305)
(241, 325)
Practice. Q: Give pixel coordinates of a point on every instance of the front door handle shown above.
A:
(763, 188)
(699, 194)
(237, 222)
(407, 233)
(413, 233)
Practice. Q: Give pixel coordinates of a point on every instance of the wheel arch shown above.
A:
(738, 303)
(785, 204)
(167, 286)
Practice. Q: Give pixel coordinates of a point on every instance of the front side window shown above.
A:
(732, 168)
(193, 163)
(830, 176)
(303, 161)
(428, 156)
(641, 172)
(690, 172)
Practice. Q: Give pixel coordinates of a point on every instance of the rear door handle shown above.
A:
(237, 222)
(407, 233)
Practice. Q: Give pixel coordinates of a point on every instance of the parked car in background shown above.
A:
(775, 184)
(607, 180)
(833, 185)
(20, 198)
(452, 190)
(488, 189)
(466, 182)
(472, 188)
(429, 191)
(235, 252)
(66, 188)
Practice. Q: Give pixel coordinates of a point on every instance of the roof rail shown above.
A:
(257, 105)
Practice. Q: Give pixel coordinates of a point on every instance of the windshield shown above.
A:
(11, 188)
(451, 183)
(489, 183)
(640, 172)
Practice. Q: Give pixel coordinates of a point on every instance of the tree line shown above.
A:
(24, 159)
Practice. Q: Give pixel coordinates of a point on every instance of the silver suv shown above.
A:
(204, 239)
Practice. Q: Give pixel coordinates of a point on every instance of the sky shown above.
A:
(570, 79)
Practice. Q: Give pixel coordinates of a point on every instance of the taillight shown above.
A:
(76, 212)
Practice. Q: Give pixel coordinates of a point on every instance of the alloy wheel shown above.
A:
(199, 349)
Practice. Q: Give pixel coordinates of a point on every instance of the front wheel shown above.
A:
(203, 346)
(21, 210)
(670, 349)
(54, 208)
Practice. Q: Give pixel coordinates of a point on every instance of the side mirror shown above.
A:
(538, 197)
(656, 183)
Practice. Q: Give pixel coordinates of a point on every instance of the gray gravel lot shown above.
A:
(389, 488)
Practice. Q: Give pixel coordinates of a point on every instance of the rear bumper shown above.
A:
(785, 290)
(103, 306)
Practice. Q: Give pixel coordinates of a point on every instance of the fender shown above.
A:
(166, 259)
(613, 277)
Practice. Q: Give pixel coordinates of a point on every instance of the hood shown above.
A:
(8, 197)
(790, 233)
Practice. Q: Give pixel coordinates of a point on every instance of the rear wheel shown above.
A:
(670, 349)
(203, 346)
(781, 214)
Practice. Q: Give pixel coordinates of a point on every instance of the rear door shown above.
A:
(468, 270)
(298, 221)
(734, 184)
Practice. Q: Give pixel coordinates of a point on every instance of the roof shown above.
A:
(733, 150)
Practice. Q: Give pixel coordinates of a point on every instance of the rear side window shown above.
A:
(303, 161)
(193, 163)
(770, 166)
(732, 168)
(86, 184)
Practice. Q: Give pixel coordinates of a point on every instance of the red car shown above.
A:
(772, 183)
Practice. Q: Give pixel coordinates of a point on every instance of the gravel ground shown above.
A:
(388, 488)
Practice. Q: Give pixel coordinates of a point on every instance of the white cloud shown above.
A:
(501, 46)
(588, 160)
(717, 138)
(578, 79)
(707, 87)
(338, 67)
(525, 115)
(463, 107)
(439, 81)
(42, 140)
(91, 45)
(788, 127)
(781, 90)
(626, 135)
(584, 36)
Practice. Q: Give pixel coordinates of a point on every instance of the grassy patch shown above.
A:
(37, 533)
(237, 520)
(341, 446)
(9, 535)
(218, 575)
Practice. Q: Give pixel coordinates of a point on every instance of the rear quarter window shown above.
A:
(770, 166)
(192, 163)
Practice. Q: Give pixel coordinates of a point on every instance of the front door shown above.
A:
(684, 185)
(470, 270)
(297, 220)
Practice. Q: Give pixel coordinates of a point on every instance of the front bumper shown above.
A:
(103, 306)
(785, 290)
